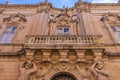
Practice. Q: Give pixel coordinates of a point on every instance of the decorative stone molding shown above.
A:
(29, 53)
(63, 19)
(110, 17)
(98, 71)
(46, 55)
(44, 6)
(80, 54)
(98, 54)
(57, 70)
(83, 6)
(15, 18)
(27, 69)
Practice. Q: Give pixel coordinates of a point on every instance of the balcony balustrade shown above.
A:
(63, 40)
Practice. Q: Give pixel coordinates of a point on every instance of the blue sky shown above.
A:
(56, 3)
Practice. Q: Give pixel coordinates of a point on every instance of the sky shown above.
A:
(56, 3)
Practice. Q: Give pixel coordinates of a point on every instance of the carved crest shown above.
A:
(62, 19)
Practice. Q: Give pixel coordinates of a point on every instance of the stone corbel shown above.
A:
(29, 53)
(63, 54)
(80, 54)
(98, 54)
(46, 54)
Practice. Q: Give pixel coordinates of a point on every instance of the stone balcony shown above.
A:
(45, 41)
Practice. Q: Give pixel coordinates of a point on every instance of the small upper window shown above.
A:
(63, 31)
(66, 29)
(7, 35)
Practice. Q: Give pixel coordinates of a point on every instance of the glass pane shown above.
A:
(59, 28)
(59, 31)
(66, 29)
(8, 29)
(7, 35)
(14, 28)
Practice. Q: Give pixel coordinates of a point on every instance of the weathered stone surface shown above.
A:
(85, 39)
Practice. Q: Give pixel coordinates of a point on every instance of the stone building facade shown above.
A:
(41, 42)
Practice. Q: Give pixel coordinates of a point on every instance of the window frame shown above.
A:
(9, 33)
(63, 32)
(116, 33)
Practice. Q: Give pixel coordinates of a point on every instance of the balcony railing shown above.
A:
(57, 40)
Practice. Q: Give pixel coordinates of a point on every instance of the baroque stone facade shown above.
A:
(41, 42)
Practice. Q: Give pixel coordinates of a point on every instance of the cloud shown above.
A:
(104, 1)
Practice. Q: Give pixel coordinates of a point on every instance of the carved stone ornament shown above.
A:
(27, 68)
(44, 6)
(98, 71)
(110, 17)
(63, 19)
(15, 18)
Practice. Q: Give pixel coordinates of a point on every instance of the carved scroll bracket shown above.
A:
(98, 54)
(80, 54)
(29, 54)
(46, 54)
